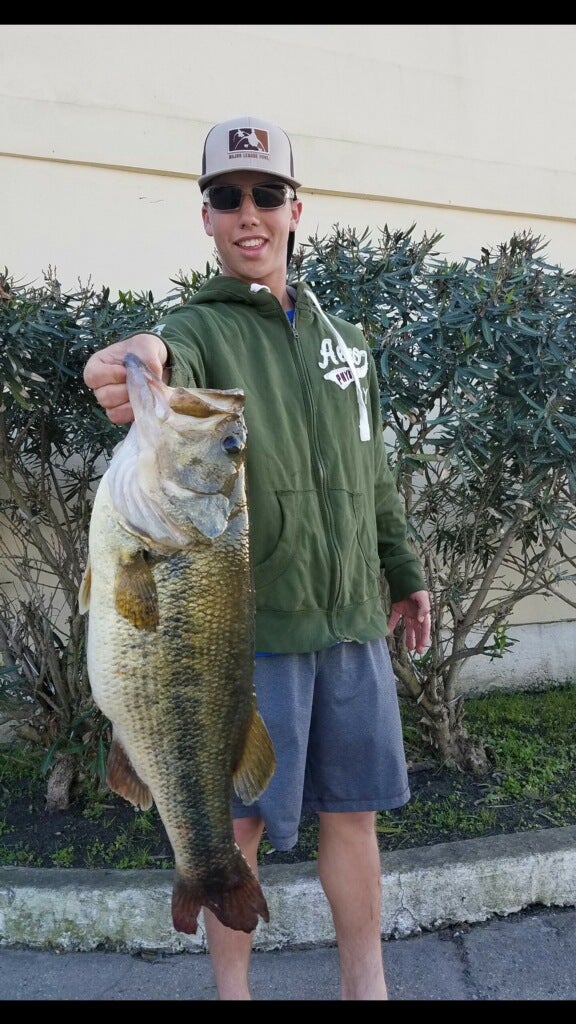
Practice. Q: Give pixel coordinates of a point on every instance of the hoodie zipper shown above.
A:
(320, 475)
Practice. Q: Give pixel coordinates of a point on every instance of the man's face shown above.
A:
(251, 242)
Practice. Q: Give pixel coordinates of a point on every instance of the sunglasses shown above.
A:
(226, 198)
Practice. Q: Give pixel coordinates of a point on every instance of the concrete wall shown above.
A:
(462, 129)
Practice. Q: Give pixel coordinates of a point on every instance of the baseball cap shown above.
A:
(247, 144)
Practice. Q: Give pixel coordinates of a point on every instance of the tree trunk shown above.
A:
(61, 782)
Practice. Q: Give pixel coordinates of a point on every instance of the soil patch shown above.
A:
(110, 833)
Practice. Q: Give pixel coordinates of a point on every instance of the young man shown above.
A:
(325, 520)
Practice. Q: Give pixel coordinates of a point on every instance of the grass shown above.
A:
(532, 785)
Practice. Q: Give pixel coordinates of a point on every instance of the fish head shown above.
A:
(183, 458)
(202, 440)
(202, 452)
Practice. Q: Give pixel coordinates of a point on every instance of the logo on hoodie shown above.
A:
(344, 362)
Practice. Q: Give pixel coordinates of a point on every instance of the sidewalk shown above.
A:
(479, 919)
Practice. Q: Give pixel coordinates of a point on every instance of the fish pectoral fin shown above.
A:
(135, 593)
(124, 780)
(84, 591)
(257, 764)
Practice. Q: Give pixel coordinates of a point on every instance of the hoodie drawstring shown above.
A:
(364, 422)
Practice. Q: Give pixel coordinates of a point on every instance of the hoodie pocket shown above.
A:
(366, 534)
(265, 572)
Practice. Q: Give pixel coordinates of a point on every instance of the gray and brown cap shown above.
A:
(247, 144)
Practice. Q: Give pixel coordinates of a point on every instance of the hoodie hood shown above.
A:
(230, 289)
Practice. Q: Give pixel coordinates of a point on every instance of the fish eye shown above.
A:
(232, 444)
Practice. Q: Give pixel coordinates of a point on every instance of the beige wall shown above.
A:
(463, 129)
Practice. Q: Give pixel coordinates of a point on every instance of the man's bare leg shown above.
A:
(230, 949)
(350, 873)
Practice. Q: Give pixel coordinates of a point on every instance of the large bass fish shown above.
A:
(170, 636)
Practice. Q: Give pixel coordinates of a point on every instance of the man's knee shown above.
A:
(248, 831)
(353, 823)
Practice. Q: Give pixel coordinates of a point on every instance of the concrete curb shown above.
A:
(423, 889)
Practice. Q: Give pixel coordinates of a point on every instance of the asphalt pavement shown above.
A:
(528, 956)
(483, 920)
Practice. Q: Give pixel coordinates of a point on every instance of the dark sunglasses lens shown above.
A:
(268, 197)
(225, 197)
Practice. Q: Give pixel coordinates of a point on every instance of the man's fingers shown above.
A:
(393, 621)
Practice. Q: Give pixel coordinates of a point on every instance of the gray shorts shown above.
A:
(334, 720)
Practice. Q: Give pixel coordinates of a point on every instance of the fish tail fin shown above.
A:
(122, 779)
(186, 905)
(258, 762)
(241, 905)
(236, 899)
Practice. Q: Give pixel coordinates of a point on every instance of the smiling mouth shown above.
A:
(251, 243)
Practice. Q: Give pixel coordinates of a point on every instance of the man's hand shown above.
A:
(415, 610)
(105, 373)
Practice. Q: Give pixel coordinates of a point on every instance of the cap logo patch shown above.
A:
(252, 139)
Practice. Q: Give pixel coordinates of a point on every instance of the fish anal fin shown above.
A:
(258, 762)
(135, 593)
(84, 591)
(123, 779)
(235, 897)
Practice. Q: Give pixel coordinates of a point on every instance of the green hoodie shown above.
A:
(325, 515)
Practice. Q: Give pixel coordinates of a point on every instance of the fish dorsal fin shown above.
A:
(258, 761)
